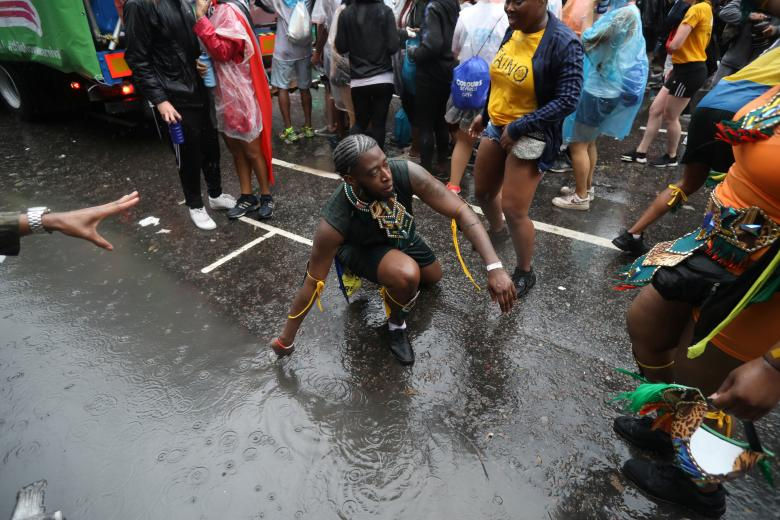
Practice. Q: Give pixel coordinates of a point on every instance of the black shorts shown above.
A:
(364, 260)
(686, 79)
(702, 146)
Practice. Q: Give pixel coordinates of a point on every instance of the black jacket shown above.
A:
(161, 51)
(366, 31)
(434, 57)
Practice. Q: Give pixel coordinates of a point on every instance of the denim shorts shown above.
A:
(593, 110)
(493, 132)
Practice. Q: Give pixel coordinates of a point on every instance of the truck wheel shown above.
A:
(16, 92)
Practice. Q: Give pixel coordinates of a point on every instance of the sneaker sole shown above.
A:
(575, 207)
(560, 170)
(626, 158)
(707, 514)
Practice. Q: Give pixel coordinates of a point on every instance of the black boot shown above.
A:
(670, 484)
(640, 433)
(400, 347)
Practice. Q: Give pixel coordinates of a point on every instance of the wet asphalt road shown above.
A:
(142, 388)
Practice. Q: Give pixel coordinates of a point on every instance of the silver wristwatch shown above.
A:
(35, 219)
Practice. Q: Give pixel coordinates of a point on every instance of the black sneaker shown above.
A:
(639, 432)
(625, 241)
(245, 204)
(523, 280)
(664, 162)
(670, 484)
(400, 347)
(561, 164)
(634, 156)
(266, 209)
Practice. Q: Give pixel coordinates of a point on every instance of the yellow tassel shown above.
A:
(316, 295)
(677, 194)
(722, 419)
(697, 350)
(385, 295)
(454, 226)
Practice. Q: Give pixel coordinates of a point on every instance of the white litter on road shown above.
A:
(163, 232)
(149, 221)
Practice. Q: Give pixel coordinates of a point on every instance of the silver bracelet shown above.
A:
(497, 265)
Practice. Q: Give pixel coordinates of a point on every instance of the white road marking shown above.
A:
(661, 130)
(541, 226)
(242, 249)
(276, 230)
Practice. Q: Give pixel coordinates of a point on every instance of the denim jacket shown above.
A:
(557, 65)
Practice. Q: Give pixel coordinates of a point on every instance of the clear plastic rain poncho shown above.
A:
(615, 74)
(238, 112)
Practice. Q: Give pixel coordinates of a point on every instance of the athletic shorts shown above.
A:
(702, 146)
(593, 110)
(686, 79)
(364, 260)
(288, 73)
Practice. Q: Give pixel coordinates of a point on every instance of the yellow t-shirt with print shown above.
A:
(512, 93)
(694, 48)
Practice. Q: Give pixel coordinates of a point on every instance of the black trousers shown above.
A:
(431, 105)
(371, 104)
(200, 152)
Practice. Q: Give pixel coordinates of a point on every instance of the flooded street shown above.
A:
(139, 383)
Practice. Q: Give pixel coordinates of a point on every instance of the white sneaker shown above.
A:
(202, 219)
(224, 201)
(572, 202)
(566, 190)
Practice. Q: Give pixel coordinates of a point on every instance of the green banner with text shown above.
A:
(52, 32)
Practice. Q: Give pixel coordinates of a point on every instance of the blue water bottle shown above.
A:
(209, 79)
(177, 133)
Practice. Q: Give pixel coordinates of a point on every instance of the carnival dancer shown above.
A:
(242, 98)
(705, 154)
(688, 47)
(535, 82)
(715, 286)
(368, 227)
(615, 72)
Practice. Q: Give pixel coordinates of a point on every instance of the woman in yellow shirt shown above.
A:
(688, 48)
(536, 78)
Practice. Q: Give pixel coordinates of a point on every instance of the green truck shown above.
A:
(57, 55)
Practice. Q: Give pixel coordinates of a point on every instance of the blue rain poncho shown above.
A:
(615, 74)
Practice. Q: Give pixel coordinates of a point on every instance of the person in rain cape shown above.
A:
(368, 227)
(615, 74)
(242, 98)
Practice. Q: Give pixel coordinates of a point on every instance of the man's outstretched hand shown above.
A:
(83, 223)
(502, 290)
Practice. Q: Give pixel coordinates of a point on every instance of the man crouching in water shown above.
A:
(368, 226)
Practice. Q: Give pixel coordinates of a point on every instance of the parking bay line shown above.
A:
(242, 249)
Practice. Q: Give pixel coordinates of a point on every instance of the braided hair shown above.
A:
(349, 150)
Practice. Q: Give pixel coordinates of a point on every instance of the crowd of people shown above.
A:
(532, 85)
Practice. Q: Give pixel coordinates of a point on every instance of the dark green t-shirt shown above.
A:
(358, 227)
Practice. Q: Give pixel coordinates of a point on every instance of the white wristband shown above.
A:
(497, 265)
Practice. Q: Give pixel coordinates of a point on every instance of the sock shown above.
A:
(392, 326)
(637, 237)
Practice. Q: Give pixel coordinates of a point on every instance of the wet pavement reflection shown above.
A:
(141, 388)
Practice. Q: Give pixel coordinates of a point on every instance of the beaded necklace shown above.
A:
(390, 216)
(757, 125)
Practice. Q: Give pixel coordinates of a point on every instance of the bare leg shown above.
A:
(593, 154)
(694, 176)
(654, 118)
(254, 155)
(400, 275)
(464, 143)
(674, 107)
(284, 106)
(655, 327)
(488, 178)
(330, 111)
(306, 105)
(520, 183)
(580, 163)
(240, 160)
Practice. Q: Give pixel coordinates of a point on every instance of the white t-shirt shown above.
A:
(283, 48)
(481, 25)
